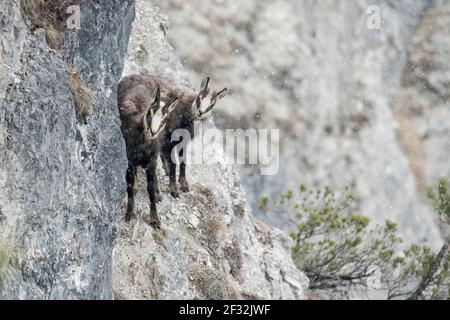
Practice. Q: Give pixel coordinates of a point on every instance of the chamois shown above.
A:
(188, 110)
(142, 120)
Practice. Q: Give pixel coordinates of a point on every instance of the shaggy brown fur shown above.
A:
(189, 110)
(139, 104)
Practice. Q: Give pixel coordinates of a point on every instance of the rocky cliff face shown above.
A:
(62, 157)
(422, 103)
(62, 169)
(210, 247)
(315, 70)
(357, 107)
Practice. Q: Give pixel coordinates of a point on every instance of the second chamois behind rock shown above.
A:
(134, 96)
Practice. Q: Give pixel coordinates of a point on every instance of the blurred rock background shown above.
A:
(357, 107)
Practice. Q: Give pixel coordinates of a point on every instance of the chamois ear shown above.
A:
(156, 97)
(221, 94)
(204, 85)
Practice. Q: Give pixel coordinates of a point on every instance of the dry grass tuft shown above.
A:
(211, 284)
(210, 220)
(159, 237)
(233, 254)
(4, 257)
(50, 15)
(118, 295)
(83, 96)
(9, 261)
(210, 226)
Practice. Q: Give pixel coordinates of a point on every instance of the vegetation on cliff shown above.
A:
(342, 253)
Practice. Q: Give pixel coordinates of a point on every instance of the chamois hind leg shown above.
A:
(164, 164)
(131, 189)
(184, 185)
(153, 220)
(173, 187)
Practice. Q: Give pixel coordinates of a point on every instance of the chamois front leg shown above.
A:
(131, 186)
(153, 220)
(158, 196)
(173, 187)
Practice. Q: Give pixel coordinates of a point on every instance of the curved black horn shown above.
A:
(156, 97)
(204, 85)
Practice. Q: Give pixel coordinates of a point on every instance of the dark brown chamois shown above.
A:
(142, 120)
(190, 108)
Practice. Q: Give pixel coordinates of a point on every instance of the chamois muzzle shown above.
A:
(157, 117)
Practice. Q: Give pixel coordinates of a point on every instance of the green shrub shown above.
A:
(339, 250)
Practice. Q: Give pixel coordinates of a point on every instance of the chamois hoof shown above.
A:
(158, 197)
(153, 222)
(184, 187)
(173, 189)
(155, 225)
(128, 217)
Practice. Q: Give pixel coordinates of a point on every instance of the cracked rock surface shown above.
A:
(61, 181)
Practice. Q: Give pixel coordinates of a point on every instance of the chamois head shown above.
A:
(157, 114)
(206, 100)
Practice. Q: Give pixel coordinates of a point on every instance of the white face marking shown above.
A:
(157, 120)
(204, 106)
